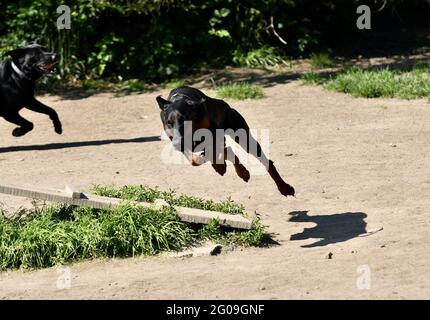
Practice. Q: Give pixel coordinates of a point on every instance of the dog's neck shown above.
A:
(19, 72)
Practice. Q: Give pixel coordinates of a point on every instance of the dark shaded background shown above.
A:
(154, 41)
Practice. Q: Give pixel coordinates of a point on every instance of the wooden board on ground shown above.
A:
(72, 197)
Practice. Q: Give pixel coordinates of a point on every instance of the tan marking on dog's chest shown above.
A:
(202, 124)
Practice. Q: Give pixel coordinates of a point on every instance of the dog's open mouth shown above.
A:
(47, 68)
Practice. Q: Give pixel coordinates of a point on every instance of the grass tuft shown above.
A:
(240, 91)
(148, 194)
(59, 234)
(312, 78)
(403, 84)
(321, 60)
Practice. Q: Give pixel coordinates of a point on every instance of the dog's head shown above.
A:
(177, 116)
(34, 60)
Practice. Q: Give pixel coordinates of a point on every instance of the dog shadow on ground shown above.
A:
(64, 145)
(269, 241)
(329, 229)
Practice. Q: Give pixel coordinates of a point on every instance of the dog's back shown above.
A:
(186, 92)
(216, 109)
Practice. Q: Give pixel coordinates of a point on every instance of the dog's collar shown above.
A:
(18, 71)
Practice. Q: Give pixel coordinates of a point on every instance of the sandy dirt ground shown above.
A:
(357, 165)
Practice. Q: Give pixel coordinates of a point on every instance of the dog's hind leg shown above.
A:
(240, 169)
(24, 125)
(39, 107)
(239, 126)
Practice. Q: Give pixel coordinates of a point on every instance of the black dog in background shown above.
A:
(189, 104)
(17, 83)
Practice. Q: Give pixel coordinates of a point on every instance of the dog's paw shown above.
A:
(286, 190)
(243, 173)
(18, 132)
(220, 168)
(58, 128)
(197, 160)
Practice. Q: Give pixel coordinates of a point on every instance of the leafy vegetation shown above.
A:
(154, 40)
(404, 84)
(148, 194)
(262, 57)
(59, 234)
(239, 91)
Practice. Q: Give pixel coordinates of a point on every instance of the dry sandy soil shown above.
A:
(358, 165)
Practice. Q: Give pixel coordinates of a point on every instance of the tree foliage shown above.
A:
(158, 39)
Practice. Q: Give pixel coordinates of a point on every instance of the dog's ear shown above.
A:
(15, 54)
(162, 103)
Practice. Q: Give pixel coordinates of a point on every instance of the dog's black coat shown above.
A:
(18, 76)
(190, 104)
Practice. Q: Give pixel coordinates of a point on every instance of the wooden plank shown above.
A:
(69, 196)
(63, 196)
(204, 216)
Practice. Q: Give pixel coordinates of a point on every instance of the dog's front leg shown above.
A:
(24, 125)
(37, 106)
(217, 155)
(195, 159)
(240, 169)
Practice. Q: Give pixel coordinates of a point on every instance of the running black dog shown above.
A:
(17, 82)
(189, 104)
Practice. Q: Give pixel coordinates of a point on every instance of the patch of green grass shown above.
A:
(404, 84)
(321, 60)
(148, 194)
(239, 91)
(312, 78)
(383, 83)
(213, 231)
(61, 234)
